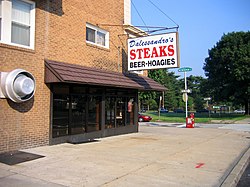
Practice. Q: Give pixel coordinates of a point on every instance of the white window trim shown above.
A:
(6, 24)
(97, 29)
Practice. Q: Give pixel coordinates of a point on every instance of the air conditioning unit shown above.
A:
(17, 85)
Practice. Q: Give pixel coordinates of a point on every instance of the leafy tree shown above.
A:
(152, 104)
(228, 69)
(172, 95)
(195, 83)
(146, 97)
(158, 75)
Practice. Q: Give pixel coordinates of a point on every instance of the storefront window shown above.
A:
(60, 115)
(78, 121)
(78, 109)
(93, 113)
(110, 112)
(79, 90)
(75, 110)
(130, 112)
(120, 111)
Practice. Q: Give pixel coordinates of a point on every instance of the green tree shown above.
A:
(172, 95)
(152, 104)
(195, 83)
(228, 69)
(146, 97)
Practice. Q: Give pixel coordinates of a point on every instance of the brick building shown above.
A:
(76, 51)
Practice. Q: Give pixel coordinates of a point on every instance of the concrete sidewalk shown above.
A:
(156, 156)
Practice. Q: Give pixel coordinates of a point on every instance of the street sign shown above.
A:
(185, 97)
(186, 91)
(207, 99)
(216, 107)
(184, 69)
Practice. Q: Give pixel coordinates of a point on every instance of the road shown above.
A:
(238, 127)
(243, 125)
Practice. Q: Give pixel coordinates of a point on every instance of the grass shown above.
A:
(199, 117)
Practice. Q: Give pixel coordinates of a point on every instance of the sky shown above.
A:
(202, 23)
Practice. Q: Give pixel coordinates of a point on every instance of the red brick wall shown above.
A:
(61, 36)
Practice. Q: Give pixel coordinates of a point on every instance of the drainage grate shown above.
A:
(16, 157)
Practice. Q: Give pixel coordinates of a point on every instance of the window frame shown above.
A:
(98, 30)
(6, 27)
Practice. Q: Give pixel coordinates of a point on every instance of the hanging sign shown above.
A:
(153, 52)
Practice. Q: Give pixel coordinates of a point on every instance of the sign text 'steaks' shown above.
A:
(153, 52)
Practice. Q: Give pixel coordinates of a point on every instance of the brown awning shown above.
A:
(71, 73)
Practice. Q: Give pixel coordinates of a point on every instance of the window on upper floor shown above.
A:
(17, 23)
(97, 36)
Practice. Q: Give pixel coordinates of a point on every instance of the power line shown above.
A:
(163, 13)
(156, 28)
(139, 14)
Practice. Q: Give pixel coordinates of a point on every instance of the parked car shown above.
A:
(202, 111)
(163, 110)
(144, 118)
(239, 111)
(178, 110)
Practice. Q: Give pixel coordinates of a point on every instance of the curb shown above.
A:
(234, 175)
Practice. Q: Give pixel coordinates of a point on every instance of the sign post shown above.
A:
(159, 110)
(186, 91)
(208, 99)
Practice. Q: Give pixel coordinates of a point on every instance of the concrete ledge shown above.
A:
(234, 176)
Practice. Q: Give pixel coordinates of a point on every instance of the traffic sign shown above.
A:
(207, 98)
(185, 97)
(186, 91)
(184, 69)
(216, 107)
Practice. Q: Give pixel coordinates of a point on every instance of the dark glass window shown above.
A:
(60, 89)
(77, 109)
(120, 111)
(94, 107)
(79, 90)
(110, 112)
(90, 35)
(111, 91)
(78, 119)
(60, 115)
(95, 90)
(130, 111)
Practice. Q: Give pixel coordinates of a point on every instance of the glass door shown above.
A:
(94, 111)
(120, 111)
(78, 114)
(60, 115)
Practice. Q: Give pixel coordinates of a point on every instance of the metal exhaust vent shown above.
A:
(17, 85)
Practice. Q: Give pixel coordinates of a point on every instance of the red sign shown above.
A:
(153, 52)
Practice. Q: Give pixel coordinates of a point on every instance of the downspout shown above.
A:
(119, 66)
